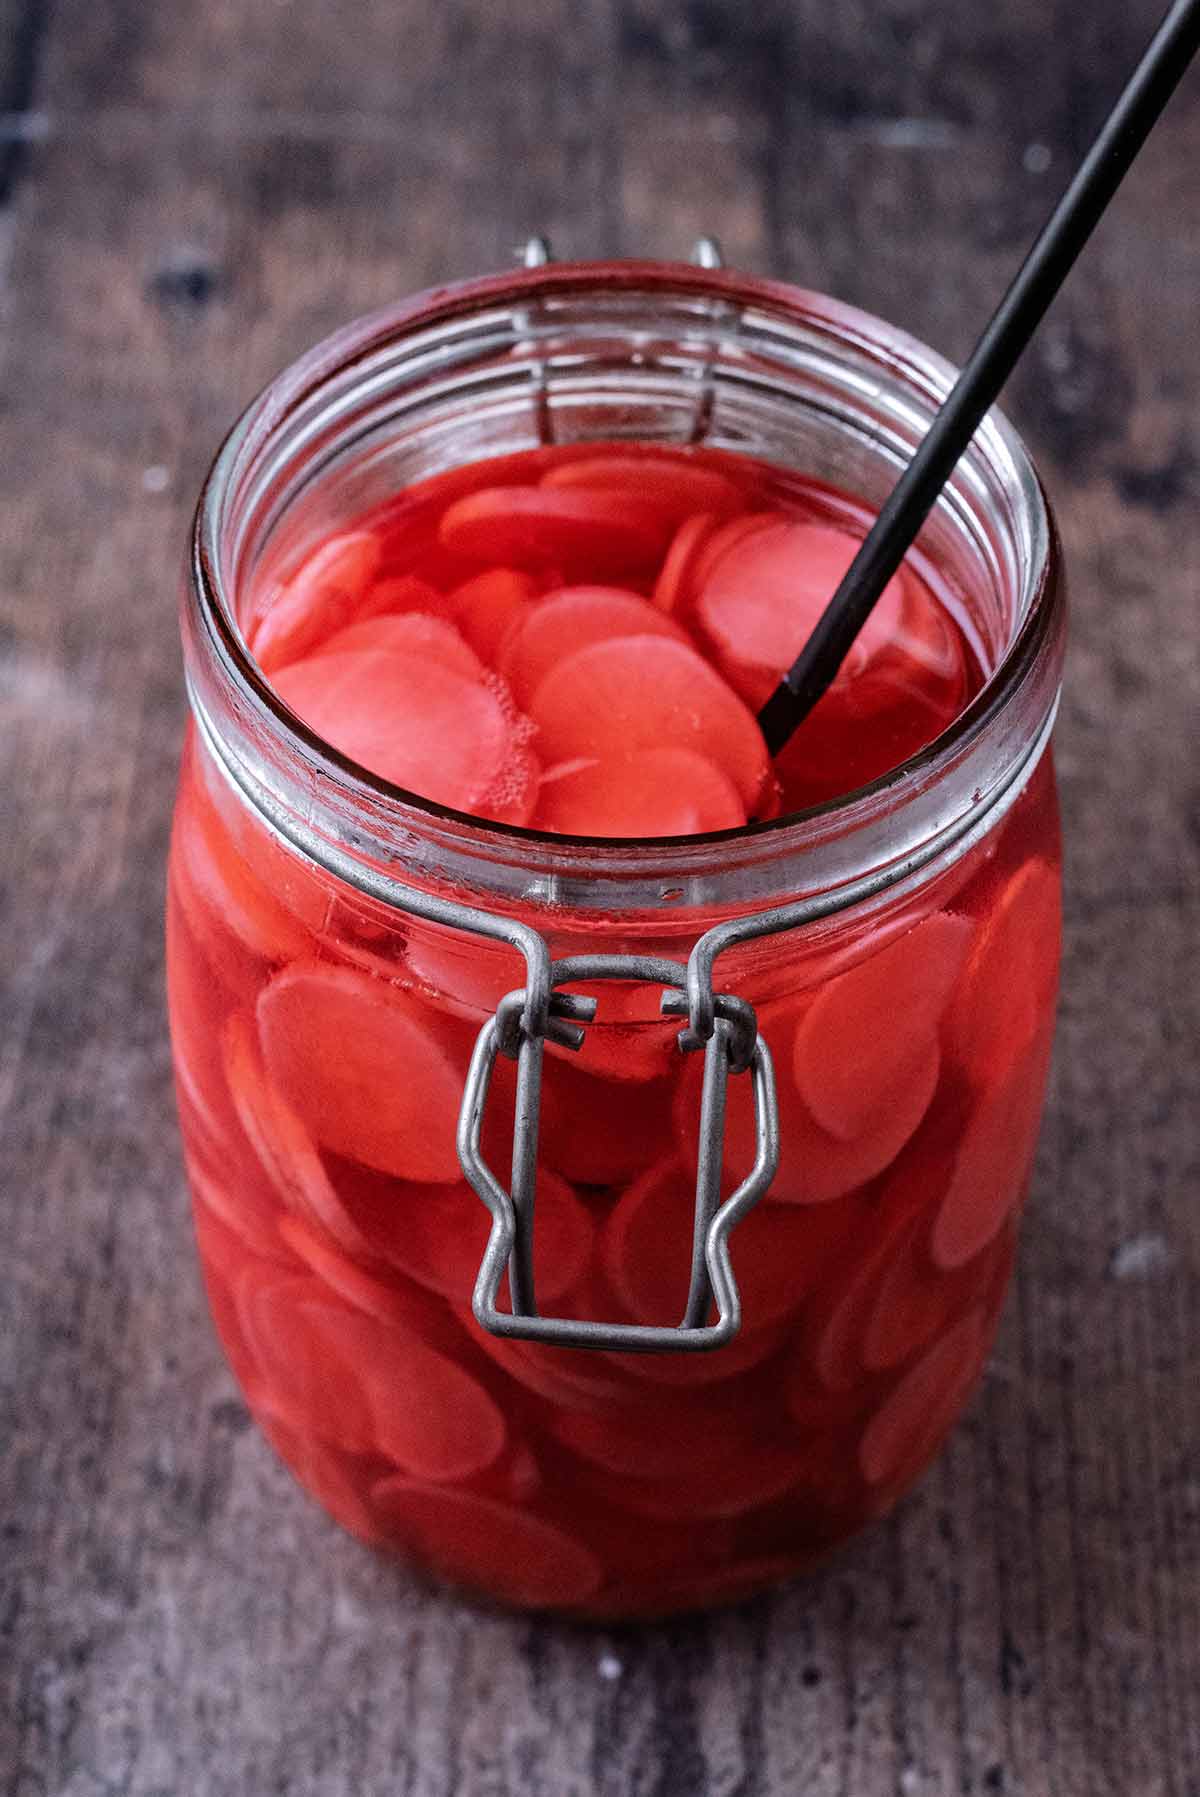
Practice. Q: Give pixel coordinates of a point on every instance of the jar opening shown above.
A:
(642, 352)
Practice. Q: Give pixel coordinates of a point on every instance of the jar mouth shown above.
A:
(723, 301)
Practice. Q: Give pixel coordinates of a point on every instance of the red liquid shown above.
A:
(576, 640)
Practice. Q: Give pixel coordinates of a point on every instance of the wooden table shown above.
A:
(194, 192)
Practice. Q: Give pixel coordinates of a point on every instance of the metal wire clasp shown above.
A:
(733, 1046)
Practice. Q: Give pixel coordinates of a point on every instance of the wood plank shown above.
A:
(221, 185)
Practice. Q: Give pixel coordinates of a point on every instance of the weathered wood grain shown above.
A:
(216, 185)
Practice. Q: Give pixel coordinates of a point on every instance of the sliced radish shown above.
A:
(320, 597)
(598, 1131)
(511, 1553)
(675, 485)
(565, 621)
(815, 1166)
(1008, 984)
(911, 1422)
(917, 1299)
(421, 724)
(675, 584)
(402, 593)
(359, 1059)
(388, 1303)
(657, 792)
(590, 535)
(291, 1332)
(223, 894)
(760, 603)
(648, 692)
(446, 1230)
(867, 1028)
(280, 1137)
(778, 1252)
(993, 1162)
(429, 1416)
(408, 633)
(324, 1478)
(488, 606)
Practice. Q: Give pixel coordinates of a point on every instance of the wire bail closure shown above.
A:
(733, 1046)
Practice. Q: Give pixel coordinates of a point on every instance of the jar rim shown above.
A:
(355, 343)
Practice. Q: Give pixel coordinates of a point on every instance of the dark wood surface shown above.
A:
(192, 193)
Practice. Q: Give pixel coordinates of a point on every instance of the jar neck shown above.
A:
(653, 352)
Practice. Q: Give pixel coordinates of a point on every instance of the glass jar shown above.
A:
(324, 1004)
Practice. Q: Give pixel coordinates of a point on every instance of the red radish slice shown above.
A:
(815, 1167)
(727, 538)
(916, 1299)
(420, 724)
(762, 600)
(445, 1230)
(362, 1063)
(674, 586)
(280, 1137)
(408, 633)
(658, 792)
(778, 1252)
(249, 1221)
(905, 1431)
(222, 894)
(290, 1331)
(1009, 981)
(590, 535)
(324, 1478)
(429, 1416)
(649, 693)
(402, 593)
(993, 1162)
(568, 620)
(319, 598)
(598, 1131)
(513, 1554)
(346, 1280)
(674, 485)
(737, 1473)
(700, 1371)
(491, 604)
(867, 1028)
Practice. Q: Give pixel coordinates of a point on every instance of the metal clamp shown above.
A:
(733, 1046)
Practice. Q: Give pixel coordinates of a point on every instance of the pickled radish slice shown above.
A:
(992, 1164)
(360, 1060)
(657, 792)
(518, 1556)
(280, 1137)
(568, 620)
(758, 607)
(866, 1029)
(419, 723)
(905, 1431)
(408, 633)
(489, 606)
(446, 1229)
(320, 597)
(222, 894)
(778, 1252)
(429, 1416)
(323, 1477)
(648, 693)
(345, 1279)
(736, 1473)
(592, 536)
(290, 1332)
(673, 587)
(727, 538)
(402, 594)
(916, 1299)
(674, 485)
(814, 1165)
(1009, 980)
(598, 1131)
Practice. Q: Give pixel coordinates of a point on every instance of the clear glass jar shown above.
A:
(322, 1030)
